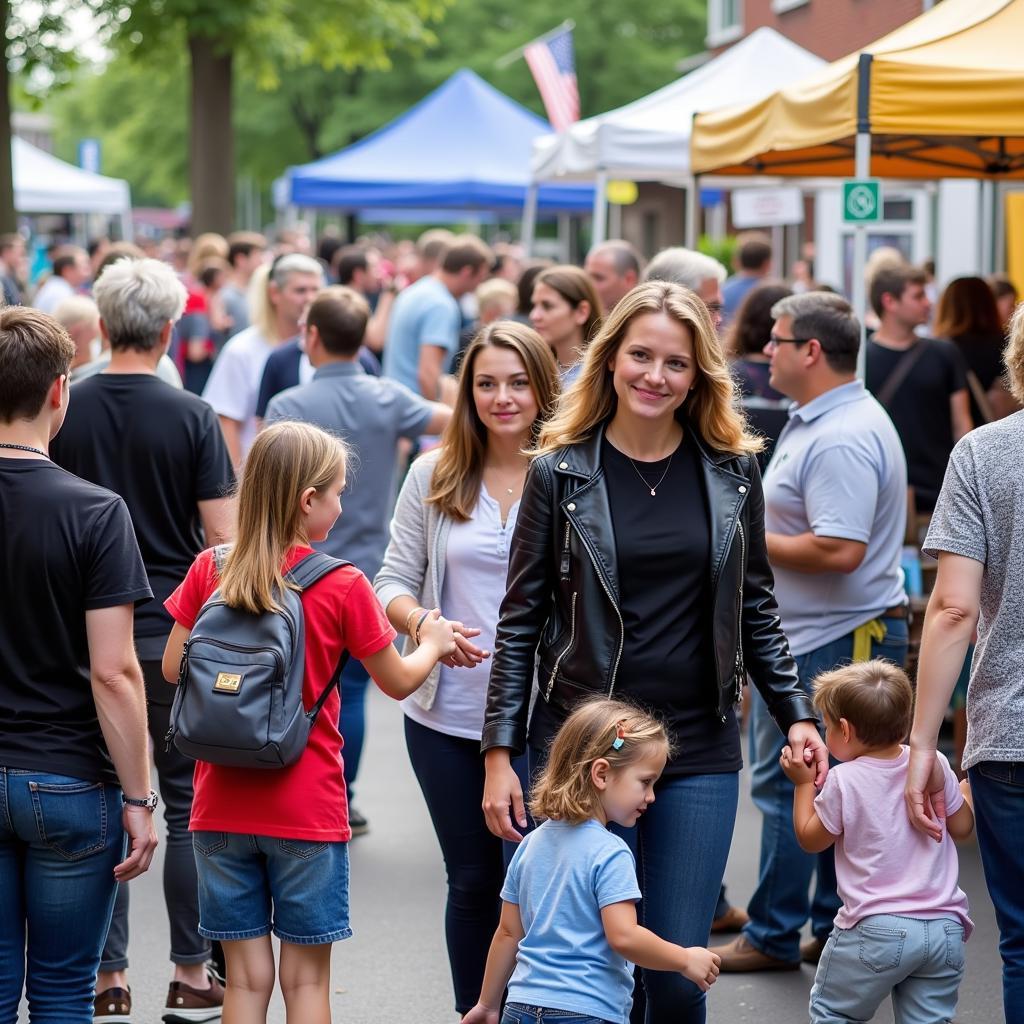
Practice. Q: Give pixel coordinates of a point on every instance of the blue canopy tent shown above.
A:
(466, 146)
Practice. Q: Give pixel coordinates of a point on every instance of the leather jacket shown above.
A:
(561, 605)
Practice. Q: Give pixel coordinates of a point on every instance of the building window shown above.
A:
(725, 21)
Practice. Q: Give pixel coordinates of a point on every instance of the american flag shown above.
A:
(553, 65)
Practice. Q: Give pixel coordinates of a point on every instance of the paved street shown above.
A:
(394, 969)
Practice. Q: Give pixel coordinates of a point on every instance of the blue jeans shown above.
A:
(245, 879)
(352, 720)
(520, 1013)
(998, 789)
(919, 962)
(60, 840)
(681, 845)
(781, 904)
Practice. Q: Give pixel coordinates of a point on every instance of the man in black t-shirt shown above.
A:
(921, 382)
(71, 693)
(162, 450)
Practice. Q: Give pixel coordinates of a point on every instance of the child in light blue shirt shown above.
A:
(568, 934)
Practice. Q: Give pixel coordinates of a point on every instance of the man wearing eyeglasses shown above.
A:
(835, 516)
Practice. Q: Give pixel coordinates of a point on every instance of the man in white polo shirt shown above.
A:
(835, 515)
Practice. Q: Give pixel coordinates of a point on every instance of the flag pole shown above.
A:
(513, 55)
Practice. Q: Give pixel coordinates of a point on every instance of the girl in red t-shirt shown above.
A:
(271, 846)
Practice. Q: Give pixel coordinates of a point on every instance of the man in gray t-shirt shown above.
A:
(835, 497)
(371, 414)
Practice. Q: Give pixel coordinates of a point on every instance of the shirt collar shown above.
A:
(831, 399)
(352, 369)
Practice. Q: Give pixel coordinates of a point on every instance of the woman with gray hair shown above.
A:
(977, 536)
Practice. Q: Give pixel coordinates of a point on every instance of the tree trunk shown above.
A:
(8, 218)
(212, 143)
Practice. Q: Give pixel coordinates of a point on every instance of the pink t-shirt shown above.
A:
(883, 864)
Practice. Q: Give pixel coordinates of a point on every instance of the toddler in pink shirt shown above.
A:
(903, 922)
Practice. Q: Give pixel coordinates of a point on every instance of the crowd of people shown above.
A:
(592, 504)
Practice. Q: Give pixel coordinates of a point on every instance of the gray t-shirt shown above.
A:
(838, 471)
(371, 414)
(979, 515)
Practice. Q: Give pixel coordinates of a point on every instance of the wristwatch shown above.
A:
(148, 802)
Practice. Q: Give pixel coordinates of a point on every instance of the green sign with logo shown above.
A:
(862, 201)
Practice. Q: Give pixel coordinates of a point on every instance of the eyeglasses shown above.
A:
(774, 341)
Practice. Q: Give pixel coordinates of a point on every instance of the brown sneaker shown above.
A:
(811, 950)
(188, 1005)
(740, 955)
(732, 920)
(112, 1006)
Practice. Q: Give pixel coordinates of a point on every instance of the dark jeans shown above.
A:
(181, 889)
(450, 771)
(352, 721)
(998, 790)
(60, 840)
(781, 904)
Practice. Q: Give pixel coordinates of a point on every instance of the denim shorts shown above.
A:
(522, 1013)
(251, 885)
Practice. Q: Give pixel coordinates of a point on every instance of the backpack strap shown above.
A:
(304, 574)
(307, 571)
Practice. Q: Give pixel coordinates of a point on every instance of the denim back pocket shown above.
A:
(209, 843)
(71, 817)
(301, 849)
(881, 949)
(954, 945)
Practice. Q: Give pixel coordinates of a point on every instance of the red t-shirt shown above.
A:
(306, 800)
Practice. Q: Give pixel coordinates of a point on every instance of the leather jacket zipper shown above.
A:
(568, 646)
(739, 617)
(622, 625)
(564, 568)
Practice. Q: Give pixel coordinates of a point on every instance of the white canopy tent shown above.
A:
(649, 139)
(44, 184)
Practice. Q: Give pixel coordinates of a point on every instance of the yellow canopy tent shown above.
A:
(942, 96)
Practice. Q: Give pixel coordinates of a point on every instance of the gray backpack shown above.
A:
(239, 697)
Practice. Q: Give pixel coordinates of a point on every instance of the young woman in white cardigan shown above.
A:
(449, 548)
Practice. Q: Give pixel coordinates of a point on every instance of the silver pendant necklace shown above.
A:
(646, 482)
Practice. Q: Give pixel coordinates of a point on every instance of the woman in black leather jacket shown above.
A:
(638, 568)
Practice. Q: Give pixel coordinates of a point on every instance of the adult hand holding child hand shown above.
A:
(797, 770)
(702, 967)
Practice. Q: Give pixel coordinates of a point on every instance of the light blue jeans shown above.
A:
(919, 962)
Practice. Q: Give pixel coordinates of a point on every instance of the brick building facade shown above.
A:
(829, 28)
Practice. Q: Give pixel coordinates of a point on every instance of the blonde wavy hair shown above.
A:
(285, 459)
(1013, 355)
(711, 408)
(455, 483)
(565, 791)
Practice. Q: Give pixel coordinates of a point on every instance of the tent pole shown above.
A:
(862, 169)
(600, 222)
(528, 225)
(692, 208)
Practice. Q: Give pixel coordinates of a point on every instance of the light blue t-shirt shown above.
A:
(838, 470)
(425, 313)
(560, 877)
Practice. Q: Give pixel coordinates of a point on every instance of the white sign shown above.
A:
(767, 207)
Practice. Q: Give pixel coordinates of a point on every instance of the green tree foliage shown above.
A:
(287, 113)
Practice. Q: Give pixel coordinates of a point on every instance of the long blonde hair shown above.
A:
(284, 460)
(455, 484)
(565, 791)
(711, 407)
